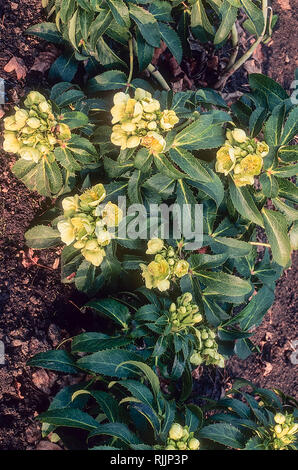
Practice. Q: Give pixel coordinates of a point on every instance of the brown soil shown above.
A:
(37, 311)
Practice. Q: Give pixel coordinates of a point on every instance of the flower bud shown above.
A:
(193, 444)
(278, 429)
(176, 432)
(197, 318)
(186, 298)
(279, 418)
(172, 308)
(239, 135)
(155, 245)
(181, 445)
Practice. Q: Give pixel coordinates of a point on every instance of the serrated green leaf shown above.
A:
(58, 360)
(276, 231)
(69, 417)
(112, 309)
(110, 80)
(244, 203)
(201, 134)
(41, 236)
(108, 362)
(172, 40)
(228, 17)
(146, 23)
(225, 434)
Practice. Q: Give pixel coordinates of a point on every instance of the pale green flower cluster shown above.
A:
(283, 433)
(139, 121)
(206, 349)
(34, 132)
(167, 265)
(180, 438)
(241, 157)
(184, 313)
(87, 223)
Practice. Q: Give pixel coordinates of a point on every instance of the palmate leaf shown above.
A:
(147, 371)
(99, 26)
(144, 51)
(106, 401)
(85, 276)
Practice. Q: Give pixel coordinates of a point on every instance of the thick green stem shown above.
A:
(235, 45)
(158, 77)
(130, 45)
(222, 81)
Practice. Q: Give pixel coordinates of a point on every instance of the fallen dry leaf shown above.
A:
(18, 66)
(252, 66)
(56, 263)
(285, 4)
(268, 369)
(44, 60)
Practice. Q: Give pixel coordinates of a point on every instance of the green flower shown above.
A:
(30, 153)
(262, 149)
(155, 245)
(11, 143)
(225, 160)
(34, 98)
(92, 197)
(70, 205)
(67, 231)
(181, 268)
(239, 135)
(111, 215)
(250, 165)
(93, 253)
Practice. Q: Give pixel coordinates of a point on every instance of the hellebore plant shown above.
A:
(50, 152)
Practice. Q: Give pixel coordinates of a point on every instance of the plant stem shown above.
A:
(158, 77)
(222, 81)
(260, 244)
(130, 45)
(235, 47)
